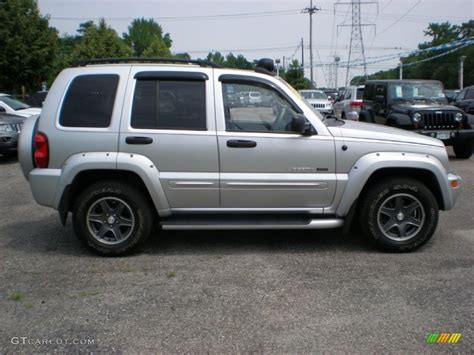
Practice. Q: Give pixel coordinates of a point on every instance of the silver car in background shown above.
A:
(319, 100)
(348, 104)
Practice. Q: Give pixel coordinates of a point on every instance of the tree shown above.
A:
(294, 75)
(444, 68)
(147, 36)
(27, 46)
(217, 58)
(101, 41)
(239, 62)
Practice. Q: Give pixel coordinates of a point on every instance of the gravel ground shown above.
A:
(291, 291)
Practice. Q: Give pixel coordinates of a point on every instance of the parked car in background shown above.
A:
(451, 94)
(8, 104)
(349, 103)
(10, 128)
(465, 100)
(332, 95)
(319, 100)
(37, 99)
(254, 98)
(420, 106)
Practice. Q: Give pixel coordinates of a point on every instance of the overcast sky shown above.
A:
(271, 29)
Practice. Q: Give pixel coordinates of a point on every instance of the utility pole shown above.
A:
(356, 46)
(337, 59)
(461, 72)
(302, 53)
(311, 10)
(401, 70)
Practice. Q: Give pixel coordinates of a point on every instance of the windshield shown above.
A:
(416, 91)
(14, 104)
(314, 95)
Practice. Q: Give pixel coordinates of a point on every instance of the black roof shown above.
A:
(402, 81)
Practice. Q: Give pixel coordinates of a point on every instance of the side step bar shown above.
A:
(232, 224)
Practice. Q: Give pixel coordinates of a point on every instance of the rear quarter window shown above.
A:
(360, 94)
(89, 101)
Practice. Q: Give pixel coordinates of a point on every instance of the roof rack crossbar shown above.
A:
(201, 63)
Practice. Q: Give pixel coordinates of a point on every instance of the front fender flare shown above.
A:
(367, 165)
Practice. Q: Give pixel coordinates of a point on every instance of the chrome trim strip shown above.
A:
(309, 210)
(313, 224)
(187, 183)
(271, 184)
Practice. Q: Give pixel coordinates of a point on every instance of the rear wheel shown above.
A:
(399, 214)
(112, 218)
(463, 149)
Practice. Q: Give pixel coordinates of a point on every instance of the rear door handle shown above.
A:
(241, 144)
(139, 140)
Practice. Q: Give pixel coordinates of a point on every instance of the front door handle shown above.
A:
(241, 144)
(139, 140)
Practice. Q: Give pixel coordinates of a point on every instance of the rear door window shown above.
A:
(169, 104)
(89, 101)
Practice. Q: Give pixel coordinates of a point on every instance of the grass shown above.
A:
(171, 274)
(16, 296)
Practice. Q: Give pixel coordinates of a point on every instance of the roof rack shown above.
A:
(201, 63)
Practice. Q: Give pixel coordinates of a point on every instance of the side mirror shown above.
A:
(2, 109)
(379, 99)
(300, 124)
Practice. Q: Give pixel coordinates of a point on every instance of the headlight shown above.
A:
(6, 128)
(417, 117)
(458, 117)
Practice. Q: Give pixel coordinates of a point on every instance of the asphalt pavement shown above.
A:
(239, 291)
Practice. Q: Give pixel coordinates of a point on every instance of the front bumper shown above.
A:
(449, 137)
(9, 142)
(454, 186)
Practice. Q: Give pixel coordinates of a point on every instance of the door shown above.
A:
(169, 118)
(380, 104)
(263, 163)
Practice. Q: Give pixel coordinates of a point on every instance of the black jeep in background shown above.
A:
(465, 100)
(421, 106)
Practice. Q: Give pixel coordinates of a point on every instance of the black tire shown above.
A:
(463, 149)
(373, 217)
(365, 116)
(136, 211)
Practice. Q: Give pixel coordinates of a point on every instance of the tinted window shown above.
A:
(269, 112)
(89, 101)
(469, 95)
(360, 94)
(369, 92)
(169, 104)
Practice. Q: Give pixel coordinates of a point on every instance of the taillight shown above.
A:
(41, 150)
(355, 104)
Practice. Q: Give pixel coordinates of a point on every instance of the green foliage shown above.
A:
(445, 68)
(27, 45)
(146, 39)
(101, 41)
(230, 61)
(294, 75)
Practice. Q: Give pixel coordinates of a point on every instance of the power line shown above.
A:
(401, 18)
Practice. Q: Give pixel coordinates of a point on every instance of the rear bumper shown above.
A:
(352, 115)
(44, 184)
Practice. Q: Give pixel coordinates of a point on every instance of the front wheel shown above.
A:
(463, 150)
(112, 218)
(399, 214)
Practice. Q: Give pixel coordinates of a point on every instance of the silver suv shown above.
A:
(127, 146)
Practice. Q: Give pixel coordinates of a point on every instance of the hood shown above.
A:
(28, 112)
(318, 101)
(424, 106)
(371, 131)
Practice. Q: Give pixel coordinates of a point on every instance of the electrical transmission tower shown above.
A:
(356, 46)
